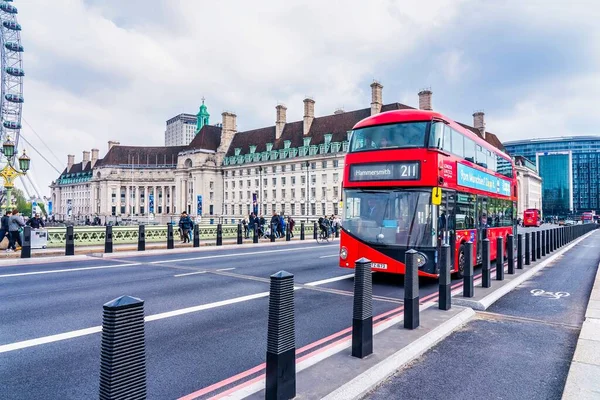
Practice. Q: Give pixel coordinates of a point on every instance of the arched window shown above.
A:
(188, 163)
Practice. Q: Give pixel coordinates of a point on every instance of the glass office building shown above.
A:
(569, 170)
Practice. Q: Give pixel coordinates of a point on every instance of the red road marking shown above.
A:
(262, 366)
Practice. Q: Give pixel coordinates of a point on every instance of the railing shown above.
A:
(94, 235)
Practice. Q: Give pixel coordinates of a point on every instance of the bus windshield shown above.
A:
(395, 136)
(390, 217)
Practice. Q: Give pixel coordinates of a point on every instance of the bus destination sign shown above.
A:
(386, 171)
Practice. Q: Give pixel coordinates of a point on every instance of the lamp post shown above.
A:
(9, 173)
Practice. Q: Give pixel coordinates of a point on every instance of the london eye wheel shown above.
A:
(12, 73)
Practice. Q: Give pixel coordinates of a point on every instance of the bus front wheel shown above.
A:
(461, 262)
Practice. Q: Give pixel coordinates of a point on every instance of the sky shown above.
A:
(100, 70)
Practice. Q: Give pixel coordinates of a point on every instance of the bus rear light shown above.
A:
(343, 253)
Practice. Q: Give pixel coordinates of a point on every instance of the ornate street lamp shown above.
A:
(9, 173)
(8, 148)
(24, 162)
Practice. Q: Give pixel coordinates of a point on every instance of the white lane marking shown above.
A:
(232, 255)
(58, 271)
(324, 281)
(49, 339)
(225, 269)
(88, 331)
(332, 255)
(190, 273)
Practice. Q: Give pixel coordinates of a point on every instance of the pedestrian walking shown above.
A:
(185, 224)
(281, 225)
(291, 224)
(15, 224)
(4, 227)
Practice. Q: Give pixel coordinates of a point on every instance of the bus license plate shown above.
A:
(378, 266)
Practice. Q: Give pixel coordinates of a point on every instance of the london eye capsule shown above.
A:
(14, 71)
(11, 25)
(14, 98)
(13, 46)
(11, 124)
(8, 8)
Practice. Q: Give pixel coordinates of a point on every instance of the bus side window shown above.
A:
(436, 138)
(457, 143)
(447, 139)
(469, 150)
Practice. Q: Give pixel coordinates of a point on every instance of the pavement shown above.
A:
(521, 347)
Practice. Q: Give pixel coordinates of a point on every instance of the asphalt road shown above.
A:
(520, 348)
(209, 308)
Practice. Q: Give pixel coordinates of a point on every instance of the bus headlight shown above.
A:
(343, 253)
(421, 259)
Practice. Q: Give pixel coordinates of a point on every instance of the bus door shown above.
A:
(446, 223)
(481, 224)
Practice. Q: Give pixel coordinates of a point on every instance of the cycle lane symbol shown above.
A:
(549, 295)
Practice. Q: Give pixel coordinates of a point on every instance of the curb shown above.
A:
(369, 380)
(487, 301)
(583, 380)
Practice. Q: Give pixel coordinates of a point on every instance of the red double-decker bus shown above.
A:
(412, 178)
(532, 217)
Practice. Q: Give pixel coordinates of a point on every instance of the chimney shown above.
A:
(70, 162)
(112, 143)
(339, 111)
(309, 114)
(479, 122)
(376, 97)
(94, 156)
(228, 130)
(280, 120)
(425, 100)
(85, 159)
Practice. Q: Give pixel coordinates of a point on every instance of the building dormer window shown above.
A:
(252, 149)
(328, 138)
(306, 141)
(238, 151)
(287, 144)
(269, 146)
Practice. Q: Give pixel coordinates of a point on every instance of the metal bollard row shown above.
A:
(468, 290)
(362, 311)
(499, 258)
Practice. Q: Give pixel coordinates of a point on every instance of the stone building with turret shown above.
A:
(294, 167)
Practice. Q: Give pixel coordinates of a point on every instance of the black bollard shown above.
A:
(255, 233)
(108, 239)
(548, 242)
(362, 312)
(527, 249)
(499, 258)
(533, 247)
(302, 231)
(445, 291)
(543, 246)
(520, 251)
(239, 234)
(486, 273)
(70, 242)
(273, 229)
(511, 254)
(123, 355)
(26, 247)
(219, 235)
(315, 231)
(288, 233)
(170, 243)
(337, 230)
(538, 245)
(141, 238)
(281, 339)
(411, 291)
(468, 289)
(196, 236)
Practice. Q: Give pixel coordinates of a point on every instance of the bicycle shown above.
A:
(323, 236)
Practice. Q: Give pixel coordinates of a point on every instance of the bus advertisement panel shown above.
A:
(415, 179)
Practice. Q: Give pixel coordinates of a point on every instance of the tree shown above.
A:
(22, 204)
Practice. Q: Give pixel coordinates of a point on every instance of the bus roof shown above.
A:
(398, 116)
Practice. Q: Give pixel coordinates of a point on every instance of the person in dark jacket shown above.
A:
(274, 224)
(4, 226)
(15, 223)
(291, 223)
(185, 224)
(36, 222)
(281, 225)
